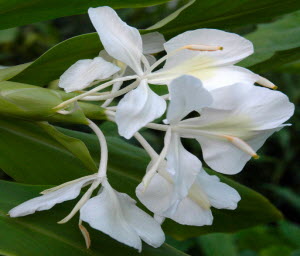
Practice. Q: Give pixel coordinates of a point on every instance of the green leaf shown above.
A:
(58, 59)
(211, 245)
(225, 14)
(28, 156)
(17, 12)
(276, 250)
(281, 46)
(75, 146)
(39, 234)
(8, 73)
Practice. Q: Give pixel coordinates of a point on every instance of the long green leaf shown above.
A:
(75, 146)
(39, 234)
(225, 14)
(54, 62)
(18, 12)
(127, 165)
(280, 46)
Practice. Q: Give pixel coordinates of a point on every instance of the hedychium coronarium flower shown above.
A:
(233, 123)
(207, 54)
(111, 212)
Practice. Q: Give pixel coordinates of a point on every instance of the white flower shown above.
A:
(214, 68)
(111, 212)
(124, 43)
(234, 121)
(116, 215)
(195, 209)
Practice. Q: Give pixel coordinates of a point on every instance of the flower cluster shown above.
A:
(210, 99)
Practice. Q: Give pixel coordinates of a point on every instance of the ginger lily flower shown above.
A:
(214, 67)
(234, 121)
(124, 43)
(195, 209)
(111, 212)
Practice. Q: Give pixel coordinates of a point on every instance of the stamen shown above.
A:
(242, 145)
(193, 47)
(85, 234)
(149, 175)
(266, 83)
(200, 47)
(66, 184)
(103, 148)
(116, 86)
(82, 201)
(113, 94)
(96, 89)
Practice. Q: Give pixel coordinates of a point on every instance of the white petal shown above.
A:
(183, 167)
(217, 77)
(116, 215)
(104, 212)
(158, 194)
(235, 48)
(222, 156)
(81, 74)
(157, 197)
(190, 213)
(121, 41)
(137, 108)
(211, 78)
(50, 199)
(220, 195)
(153, 43)
(187, 94)
(145, 226)
(267, 108)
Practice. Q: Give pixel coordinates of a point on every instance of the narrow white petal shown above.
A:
(121, 41)
(81, 74)
(235, 48)
(187, 94)
(220, 195)
(104, 212)
(50, 199)
(153, 43)
(183, 167)
(137, 108)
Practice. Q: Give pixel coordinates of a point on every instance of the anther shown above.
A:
(266, 83)
(242, 145)
(200, 47)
